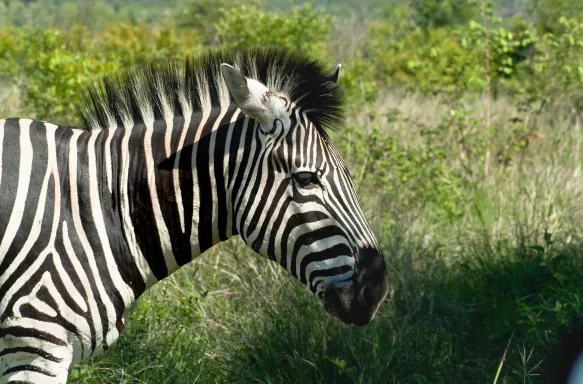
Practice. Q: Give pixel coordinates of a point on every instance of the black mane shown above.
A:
(158, 90)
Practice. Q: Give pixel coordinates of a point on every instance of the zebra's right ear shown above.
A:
(246, 93)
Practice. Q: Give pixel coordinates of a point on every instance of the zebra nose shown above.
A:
(357, 302)
(371, 280)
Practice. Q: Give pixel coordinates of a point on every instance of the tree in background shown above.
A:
(203, 15)
(440, 13)
(303, 28)
(547, 13)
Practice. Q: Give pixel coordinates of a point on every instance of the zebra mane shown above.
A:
(163, 91)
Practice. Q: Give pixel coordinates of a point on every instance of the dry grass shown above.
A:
(9, 99)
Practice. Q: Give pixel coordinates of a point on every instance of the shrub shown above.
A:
(303, 28)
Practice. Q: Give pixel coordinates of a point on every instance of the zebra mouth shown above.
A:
(348, 313)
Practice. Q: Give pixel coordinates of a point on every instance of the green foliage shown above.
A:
(51, 67)
(51, 73)
(441, 13)
(547, 13)
(358, 79)
(94, 14)
(557, 67)
(451, 60)
(416, 176)
(434, 61)
(203, 15)
(131, 45)
(303, 28)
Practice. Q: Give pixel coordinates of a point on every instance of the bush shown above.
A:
(303, 28)
(52, 67)
(417, 177)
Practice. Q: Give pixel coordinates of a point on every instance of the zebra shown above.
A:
(169, 160)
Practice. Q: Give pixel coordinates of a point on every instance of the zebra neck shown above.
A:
(175, 182)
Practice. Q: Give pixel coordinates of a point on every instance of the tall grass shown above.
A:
(476, 298)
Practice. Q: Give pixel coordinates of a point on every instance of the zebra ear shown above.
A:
(247, 97)
(333, 76)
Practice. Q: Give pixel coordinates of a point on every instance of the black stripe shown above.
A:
(28, 367)
(205, 212)
(220, 185)
(268, 215)
(179, 242)
(235, 145)
(112, 212)
(31, 332)
(243, 171)
(294, 221)
(326, 254)
(181, 246)
(253, 170)
(32, 351)
(88, 220)
(336, 271)
(140, 204)
(76, 280)
(9, 181)
(264, 202)
(83, 260)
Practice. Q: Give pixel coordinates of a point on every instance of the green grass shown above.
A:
(242, 320)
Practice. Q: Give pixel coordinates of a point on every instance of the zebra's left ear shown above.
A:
(333, 76)
(246, 92)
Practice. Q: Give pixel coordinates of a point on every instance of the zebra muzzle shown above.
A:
(357, 302)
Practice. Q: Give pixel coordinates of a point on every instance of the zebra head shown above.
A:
(308, 217)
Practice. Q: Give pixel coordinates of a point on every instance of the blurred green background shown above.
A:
(464, 139)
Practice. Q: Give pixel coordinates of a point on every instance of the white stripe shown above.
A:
(240, 149)
(253, 177)
(318, 246)
(278, 231)
(244, 191)
(194, 240)
(211, 154)
(168, 136)
(123, 289)
(93, 310)
(163, 233)
(108, 171)
(31, 240)
(69, 315)
(78, 226)
(227, 158)
(187, 114)
(176, 170)
(140, 261)
(25, 167)
(80, 273)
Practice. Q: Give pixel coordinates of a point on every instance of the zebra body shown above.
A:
(176, 161)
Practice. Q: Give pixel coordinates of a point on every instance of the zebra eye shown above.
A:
(307, 180)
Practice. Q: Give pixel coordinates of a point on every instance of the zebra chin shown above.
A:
(356, 302)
